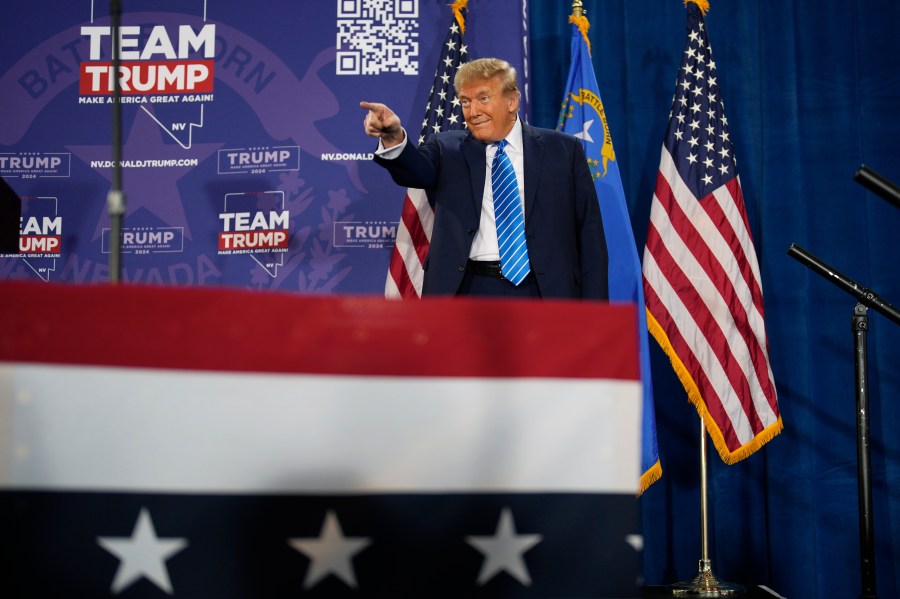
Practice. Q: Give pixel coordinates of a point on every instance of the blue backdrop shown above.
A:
(271, 141)
(811, 91)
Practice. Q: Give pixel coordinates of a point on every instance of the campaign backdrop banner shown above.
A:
(270, 445)
(244, 159)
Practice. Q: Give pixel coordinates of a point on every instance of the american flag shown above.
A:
(701, 278)
(443, 113)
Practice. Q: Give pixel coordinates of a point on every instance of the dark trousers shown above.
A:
(486, 285)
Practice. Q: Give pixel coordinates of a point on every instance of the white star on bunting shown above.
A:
(503, 551)
(330, 553)
(142, 555)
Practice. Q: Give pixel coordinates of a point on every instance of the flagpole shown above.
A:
(705, 583)
(677, 289)
(577, 8)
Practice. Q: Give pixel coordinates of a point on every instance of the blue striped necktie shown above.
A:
(510, 219)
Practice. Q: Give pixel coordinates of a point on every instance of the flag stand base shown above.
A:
(705, 584)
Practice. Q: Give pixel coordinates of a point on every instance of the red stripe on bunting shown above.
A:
(235, 330)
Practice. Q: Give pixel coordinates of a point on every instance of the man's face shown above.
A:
(489, 113)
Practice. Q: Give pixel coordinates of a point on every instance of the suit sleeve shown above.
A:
(591, 239)
(415, 166)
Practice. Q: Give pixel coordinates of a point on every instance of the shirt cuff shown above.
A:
(393, 152)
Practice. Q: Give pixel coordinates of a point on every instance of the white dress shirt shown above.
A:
(485, 246)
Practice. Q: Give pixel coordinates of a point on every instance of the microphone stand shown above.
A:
(878, 185)
(115, 200)
(866, 298)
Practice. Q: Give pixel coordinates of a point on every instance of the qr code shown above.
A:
(378, 36)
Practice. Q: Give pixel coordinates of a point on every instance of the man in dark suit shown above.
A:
(564, 253)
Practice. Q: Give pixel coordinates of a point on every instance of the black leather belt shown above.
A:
(484, 268)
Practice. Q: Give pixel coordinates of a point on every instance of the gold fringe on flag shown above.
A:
(703, 5)
(583, 25)
(649, 477)
(687, 381)
(458, 6)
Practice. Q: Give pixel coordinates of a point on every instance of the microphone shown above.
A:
(878, 185)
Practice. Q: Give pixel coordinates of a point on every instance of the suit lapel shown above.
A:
(474, 153)
(533, 160)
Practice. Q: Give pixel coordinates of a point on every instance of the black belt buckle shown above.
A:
(487, 269)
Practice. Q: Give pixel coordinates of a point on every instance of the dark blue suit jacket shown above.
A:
(563, 229)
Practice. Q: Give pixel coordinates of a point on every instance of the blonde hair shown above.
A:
(487, 68)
